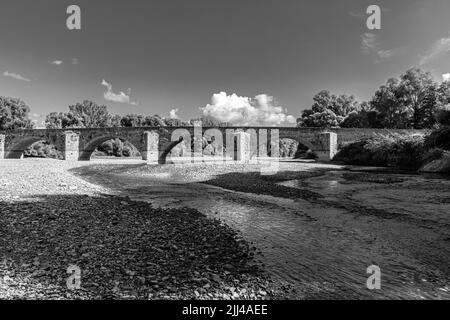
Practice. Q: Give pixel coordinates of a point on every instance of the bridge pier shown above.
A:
(243, 150)
(328, 146)
(151, 146)
(71, 146)
(2, 146)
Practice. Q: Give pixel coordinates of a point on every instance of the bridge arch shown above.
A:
(17, 146)
(175, 136)
(306, 141)
(162, 159)
(87, 150)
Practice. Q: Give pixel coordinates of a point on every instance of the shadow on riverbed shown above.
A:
(124, 248)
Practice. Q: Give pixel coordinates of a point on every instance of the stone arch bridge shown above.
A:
(155, 143)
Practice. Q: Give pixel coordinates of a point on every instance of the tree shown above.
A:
(443, 117)
(56, 120)
(390, 106)
(206, 121)
(91, 114)
(82, 115)
(14, 114)
(328, 110)
(114, 120)
(154, 121)
(132, 120)
(327, 119)
(443, 92)
(418, 93)
(355, 120)
(173, 122)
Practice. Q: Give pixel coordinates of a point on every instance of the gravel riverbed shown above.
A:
(51, 219)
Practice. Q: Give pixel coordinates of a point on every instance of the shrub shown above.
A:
(431, 155)
(443, 117)
(354, 153)
(439, 138)
(126, 152)
(43, 149)
(384, 150)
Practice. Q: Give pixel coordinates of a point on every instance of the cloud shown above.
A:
(438, 49)
(121, 97)
(258, 111)
(173, 114)
(385, 53)
(357, 15)
(15, 76)
(446, 77)
(370, 45)
(56, 62)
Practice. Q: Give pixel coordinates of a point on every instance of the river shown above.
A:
(322, 248)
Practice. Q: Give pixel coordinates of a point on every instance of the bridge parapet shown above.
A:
(155, 143)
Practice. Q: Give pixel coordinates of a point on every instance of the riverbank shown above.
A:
(125, 249)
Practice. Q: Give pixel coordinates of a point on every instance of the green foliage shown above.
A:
(208, 122)
(433, 154)
(14, 114)
(116, 148)
(410, 101)
(385, 150)
(355, 120)
(81, 115)
(439, 138)
(43, 149)
(328, 110)
(443, 117)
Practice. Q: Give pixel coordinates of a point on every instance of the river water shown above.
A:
(322, 248)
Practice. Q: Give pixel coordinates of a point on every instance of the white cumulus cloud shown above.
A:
(173, 114)
(236, 110)
(446, 77)
(120, 97)
(15, 76)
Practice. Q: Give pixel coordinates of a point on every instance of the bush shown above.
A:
(431, 155)
(443, 117)
(116, 148)
(354, 153)
(384, 150)
(439, 138)
(43, 149)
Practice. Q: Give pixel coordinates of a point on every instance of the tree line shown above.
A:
(414, 100)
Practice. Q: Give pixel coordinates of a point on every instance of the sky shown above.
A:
(238, 60)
